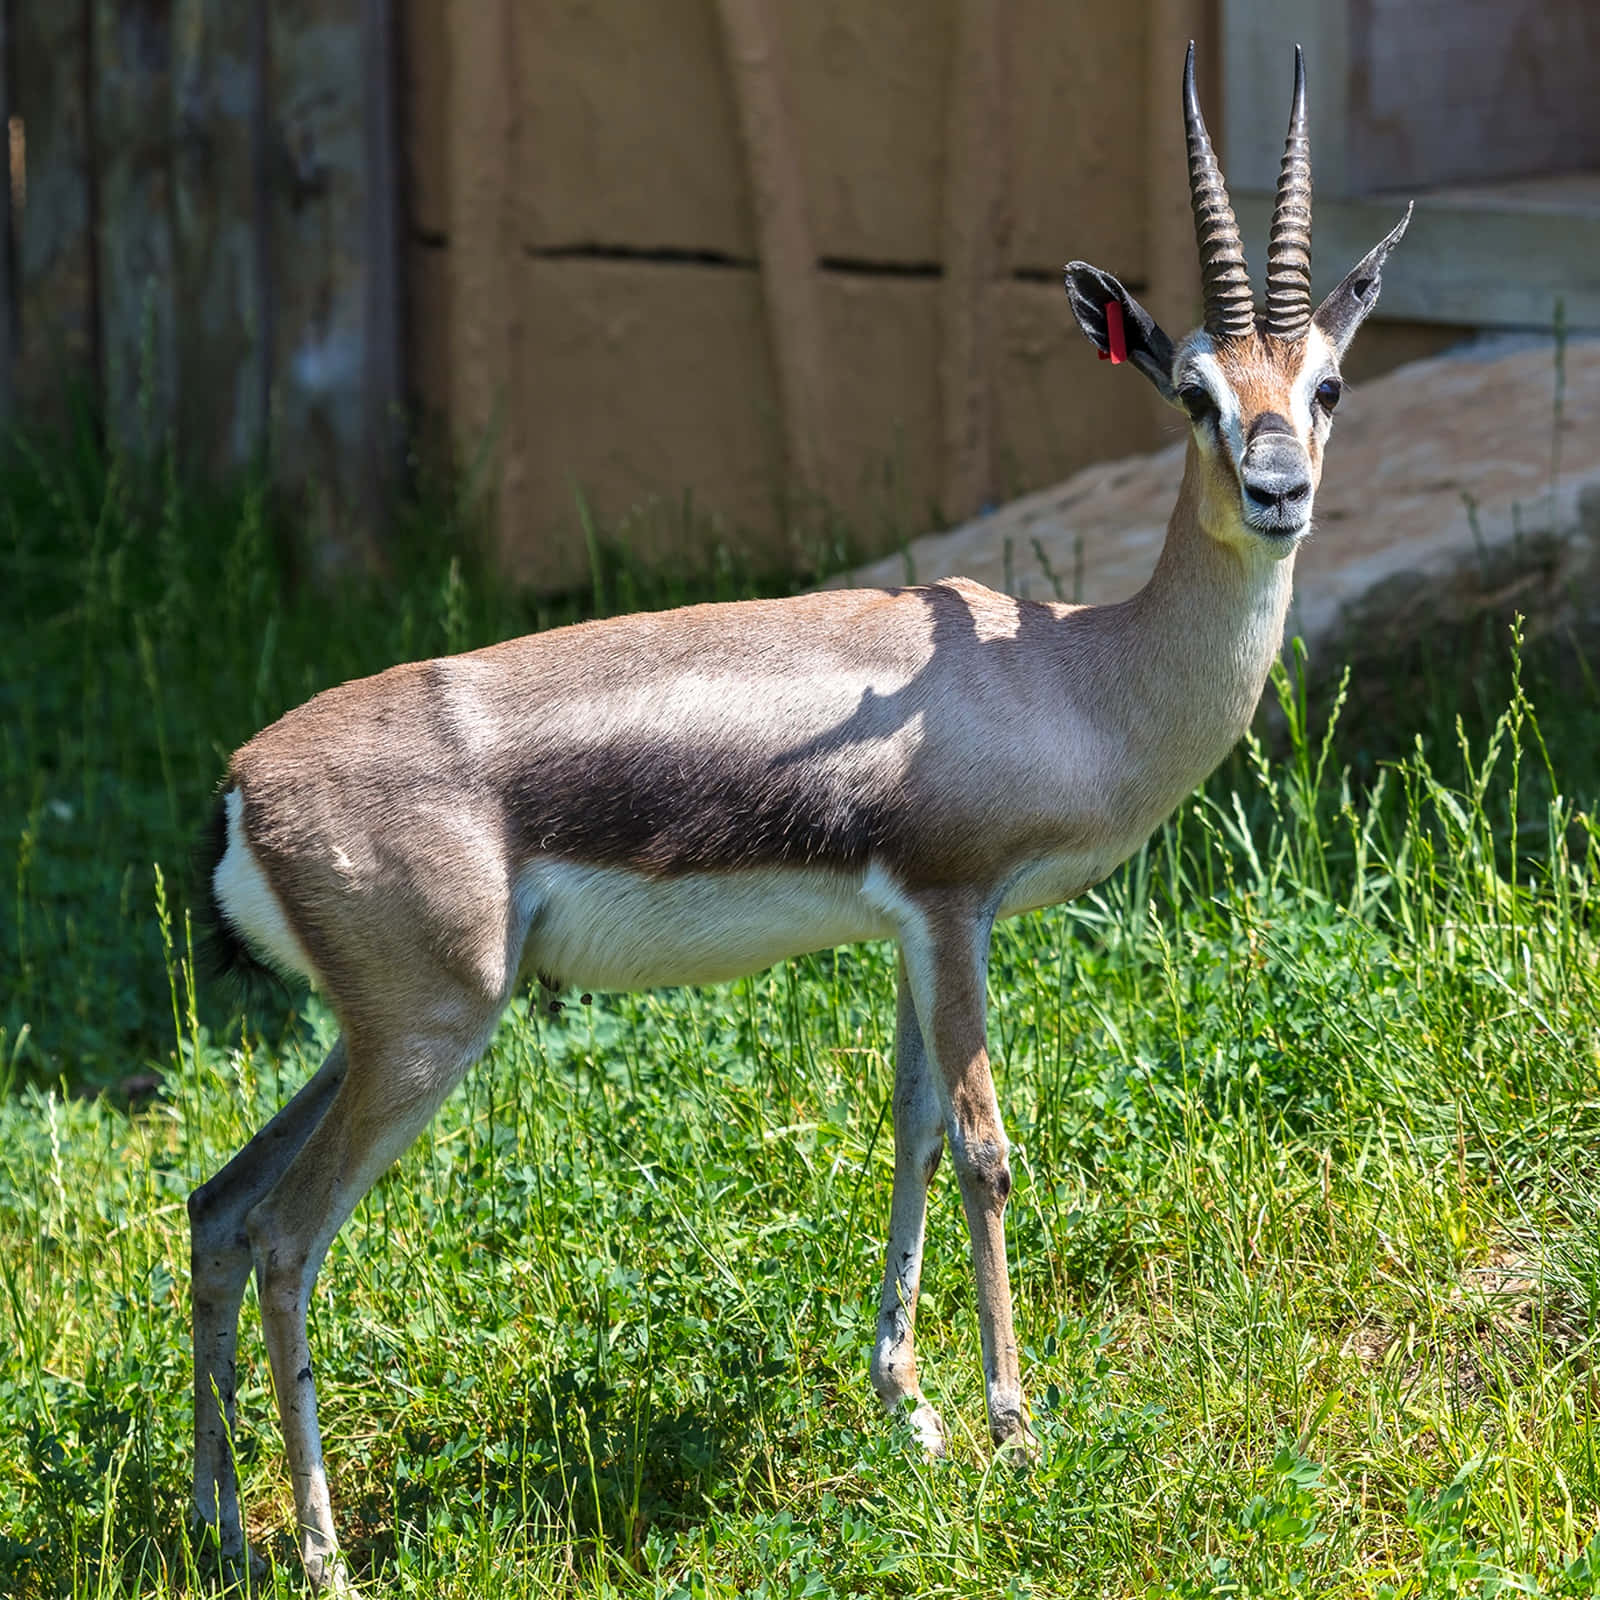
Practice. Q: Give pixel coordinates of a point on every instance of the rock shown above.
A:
(1453, 487)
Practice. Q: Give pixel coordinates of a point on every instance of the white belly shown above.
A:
(608, 928)
(1057, 878)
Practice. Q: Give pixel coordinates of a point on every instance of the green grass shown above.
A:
(1304, 1102)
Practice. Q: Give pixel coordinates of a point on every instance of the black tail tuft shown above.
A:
(221, 954)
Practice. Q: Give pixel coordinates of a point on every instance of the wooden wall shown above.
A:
(204, 235)
(784, 258)
(1508, 86)
(756, 249)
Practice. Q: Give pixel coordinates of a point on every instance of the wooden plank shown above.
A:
(974, 247)
(1493, 257)
(788, 255)
(1459, 91)
(316, 216)
(8, 285)
(218, 89)
(483, 295)
(132, 50)
(54, 244)
(425, 93)
(381, 386)
(1172, 259)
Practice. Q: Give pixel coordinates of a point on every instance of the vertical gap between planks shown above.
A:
(53, 285)
(132, 176)
(1172, 261)
(266, 300)
(8, 221)
(217, 235)
(91, 182)
(382, 355)
(481, 275)
(975, 228)
(783, 232)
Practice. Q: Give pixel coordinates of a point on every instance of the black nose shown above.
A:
(1276, 477)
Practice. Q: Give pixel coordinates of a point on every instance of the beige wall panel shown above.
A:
(1446, 91)
(1080, 128)
(654, 380)
(629, 120)
(644, 380)
(881, 337)
(869, 85)
(1057, 407)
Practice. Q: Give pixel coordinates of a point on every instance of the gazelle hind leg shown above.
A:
(219, 1257)
(392, 1089)
(918, 1145)
(947, 961)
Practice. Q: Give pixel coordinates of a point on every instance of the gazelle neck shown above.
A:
(1202, 634)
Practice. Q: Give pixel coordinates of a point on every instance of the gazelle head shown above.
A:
(1259, 392)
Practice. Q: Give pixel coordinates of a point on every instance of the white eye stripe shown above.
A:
(1318, 365)
(1208, 368)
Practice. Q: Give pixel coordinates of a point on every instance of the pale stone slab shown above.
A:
(1449, 488)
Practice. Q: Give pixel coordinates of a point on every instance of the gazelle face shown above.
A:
(1259, 392)
(1260, 410)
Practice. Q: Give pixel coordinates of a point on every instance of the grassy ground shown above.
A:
(1304, 1102)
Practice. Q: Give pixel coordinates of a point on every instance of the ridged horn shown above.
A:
(1289, 245)
(1229, 309)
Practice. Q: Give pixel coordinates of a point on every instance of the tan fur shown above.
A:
(929, 752)
(681, 796)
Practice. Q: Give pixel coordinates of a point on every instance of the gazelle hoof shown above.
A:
(927, 1427)
(1017, 1442)
(327, 1573)
(244, 1568)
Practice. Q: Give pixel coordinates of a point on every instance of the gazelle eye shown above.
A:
(1328, 392)
(1197, 401)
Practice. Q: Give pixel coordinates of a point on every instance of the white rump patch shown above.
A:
(247, 901)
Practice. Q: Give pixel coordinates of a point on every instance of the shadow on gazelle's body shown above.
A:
(692, 795)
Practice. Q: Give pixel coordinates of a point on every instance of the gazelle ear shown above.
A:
(1089, 292)
(1347, 306)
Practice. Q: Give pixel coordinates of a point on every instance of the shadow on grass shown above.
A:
(580, 1463)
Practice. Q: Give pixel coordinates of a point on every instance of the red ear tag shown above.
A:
(1116, 336)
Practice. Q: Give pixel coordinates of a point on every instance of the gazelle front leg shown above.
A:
(918, 1144)
(947, 958)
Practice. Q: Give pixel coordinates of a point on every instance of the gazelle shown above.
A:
(686, 797)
